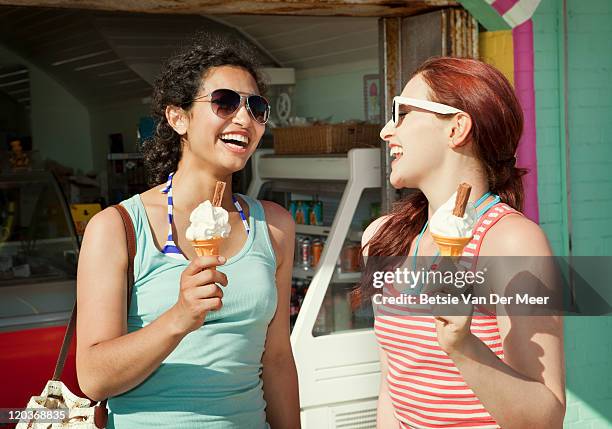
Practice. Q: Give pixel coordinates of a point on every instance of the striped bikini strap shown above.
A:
(245, 222)
(170, 247)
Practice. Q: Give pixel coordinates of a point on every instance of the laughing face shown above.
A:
(418, 141)
(223, 145)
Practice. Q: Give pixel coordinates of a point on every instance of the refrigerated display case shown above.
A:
(38, 257)
(334, 345)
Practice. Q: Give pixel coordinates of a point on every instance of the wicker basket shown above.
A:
(336, 138)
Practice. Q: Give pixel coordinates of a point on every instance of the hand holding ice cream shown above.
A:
(209, 227)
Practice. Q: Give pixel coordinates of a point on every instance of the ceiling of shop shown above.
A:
(98, 56)
(305, 41)
(105, 57)
(15, 82)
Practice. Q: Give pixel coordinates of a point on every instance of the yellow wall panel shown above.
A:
(497, 49)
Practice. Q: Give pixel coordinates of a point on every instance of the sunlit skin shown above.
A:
(527, 389)
(202, 144)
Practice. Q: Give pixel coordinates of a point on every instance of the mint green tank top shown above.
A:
(212, 379)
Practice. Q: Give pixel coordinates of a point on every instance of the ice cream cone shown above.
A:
(451, 246)
(207, 247)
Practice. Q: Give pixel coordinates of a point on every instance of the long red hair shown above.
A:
(485, 94)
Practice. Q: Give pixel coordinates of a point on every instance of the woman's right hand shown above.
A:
(199, 292)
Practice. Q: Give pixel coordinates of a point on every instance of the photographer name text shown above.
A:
(449, 299)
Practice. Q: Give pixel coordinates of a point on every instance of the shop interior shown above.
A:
(75, 87)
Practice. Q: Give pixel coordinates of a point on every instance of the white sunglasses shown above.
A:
(430, 106)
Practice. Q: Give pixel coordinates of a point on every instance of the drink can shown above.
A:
(355, 255)
(317, 249)
(350, 258)
(298, 247)
(305, 253)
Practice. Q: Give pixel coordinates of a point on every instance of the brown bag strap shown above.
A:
(61, 359)
(131, 249)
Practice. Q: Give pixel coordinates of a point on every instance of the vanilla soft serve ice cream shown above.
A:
(208, 222)
(445, 223)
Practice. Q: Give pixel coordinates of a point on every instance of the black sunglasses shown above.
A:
(225, 102)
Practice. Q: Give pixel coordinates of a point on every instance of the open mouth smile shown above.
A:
(235, 142)
(396, 152)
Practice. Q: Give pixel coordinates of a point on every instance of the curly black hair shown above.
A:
(178, 85)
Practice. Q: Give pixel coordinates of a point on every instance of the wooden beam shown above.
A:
(362, 8)
(390, 50)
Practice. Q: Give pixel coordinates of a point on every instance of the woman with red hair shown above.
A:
(458, 120)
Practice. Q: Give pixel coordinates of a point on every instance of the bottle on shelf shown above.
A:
(305, 254)
(350, 258)
(317, 250)
(301, 213)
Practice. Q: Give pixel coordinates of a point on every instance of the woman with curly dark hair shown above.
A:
(193, 354)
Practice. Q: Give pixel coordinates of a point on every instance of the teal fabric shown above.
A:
(212, 379)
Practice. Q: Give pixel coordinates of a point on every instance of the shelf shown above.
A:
(124, 156)
(346, 277)
(304, 167)
(312, 229)
(300, 273)
(324, 231)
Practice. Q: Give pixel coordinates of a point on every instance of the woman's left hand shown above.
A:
(452, 331)
(453, 321)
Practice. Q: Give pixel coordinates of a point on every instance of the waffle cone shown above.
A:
(451, 246)
(207, 247)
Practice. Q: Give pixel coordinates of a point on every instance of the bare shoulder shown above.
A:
(516, 235)
(153, 195)
(282, 230)
(279, 220)
(104, 227)
(103, 251)
(371, 231)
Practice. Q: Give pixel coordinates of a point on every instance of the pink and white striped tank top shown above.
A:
(426, 388)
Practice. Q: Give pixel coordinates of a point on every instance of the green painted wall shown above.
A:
(335, 91)
(588, 342)
(548, 123)
(59, 122)
(590, 116)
